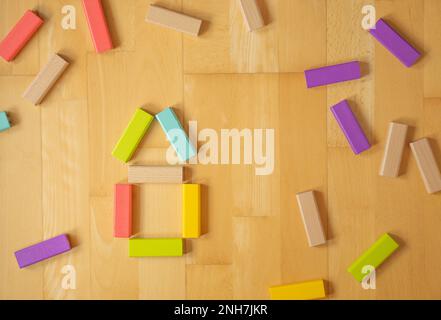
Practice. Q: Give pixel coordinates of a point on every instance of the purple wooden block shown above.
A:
(333, 74)
(393, 42)
(42, 250)
(350, 126)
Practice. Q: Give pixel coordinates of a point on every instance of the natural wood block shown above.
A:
(45, 80)
(173, 20)
(251, 14)
(427, 164)
(393, 153)
(191, 211)
(308, 290)
(311, 218)
(157, 174)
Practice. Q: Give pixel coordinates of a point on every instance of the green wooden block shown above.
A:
(165, 247)
(132, 135)
(374, 256)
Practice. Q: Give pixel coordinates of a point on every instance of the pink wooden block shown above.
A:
(123, 211)
(97, 25)
(19, 35)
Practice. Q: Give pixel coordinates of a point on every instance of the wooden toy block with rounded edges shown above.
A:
(311, 218)
(309, 290)
(393, 152)
(155, 174)
(173, 20)
(252, 15)
(191, 210)
(333, 74)
(427, 165)
(96, 20)
(4, 121)
(123, 211)
(148, 247)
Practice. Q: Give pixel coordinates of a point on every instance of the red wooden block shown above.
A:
(97, 25)
(19, 35)
(123, 211)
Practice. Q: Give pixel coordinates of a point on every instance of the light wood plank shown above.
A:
(209, 282)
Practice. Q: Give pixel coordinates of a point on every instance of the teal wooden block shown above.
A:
(4, 122)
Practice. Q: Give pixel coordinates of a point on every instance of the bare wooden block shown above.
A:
(251, 14)
(311, 218)
(393, 153)
(159, 174)
(174, 20)
(427, 164)
(45, 80)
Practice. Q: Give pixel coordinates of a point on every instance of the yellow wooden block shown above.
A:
(299, 291)
(191, 210)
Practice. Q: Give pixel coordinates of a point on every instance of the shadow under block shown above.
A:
(166, 247)
(333, 74)
(308, 290)
(393, 152)
(251, 14)
(393, 42)
(46, 79)
(123, 211)
(132, 135)
(374, 256)
(427, 165)
(311, 218)
(42, 251)
(173, 20)
(350, 127)
(176, 134)
(191, 211)
(19, 35)
(155, 174)
(96, 20)
(4, 122)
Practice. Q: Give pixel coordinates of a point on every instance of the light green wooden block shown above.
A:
(132, 135)
(374, 256)
(166, 247)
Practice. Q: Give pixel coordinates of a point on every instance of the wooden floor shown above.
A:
(57, 173)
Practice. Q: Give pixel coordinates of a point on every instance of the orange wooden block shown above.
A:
(123, 211)
(311, 218)
(393, 153)
(427, 164)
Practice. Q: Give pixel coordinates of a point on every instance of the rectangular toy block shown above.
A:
(123, 211)
(132, 135)
(19, 35)
(158, 174)
(390, 167)
(191, 211)
(350, 127)
(374, 256)
(251, 14)
(46, 79)
(176, 134)
(393, 42)
(42, 251)
(427, 164)
(166, 247)
(333, 74)
(299, 291)
(311, 218)
(97, 23)
(4, 122)
(173, 20)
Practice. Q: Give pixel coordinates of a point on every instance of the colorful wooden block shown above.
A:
(176, 134)
(46, 79)
(393, 153)
(252, 15)
(173, 20)
(191, 211)
(393, 42)
(311, 218)
(20, 35)
(123, 211)
(333, 74)
(97, 23)
(374, 256)
(350, 127)
(42, 251)
(155, 174)
(132, 136)
(4, 122)
(427, 165)
(308, 290)
(165, 247)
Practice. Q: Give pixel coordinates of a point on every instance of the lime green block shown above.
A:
(133, 135)
(165, 247)
(374, 256)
